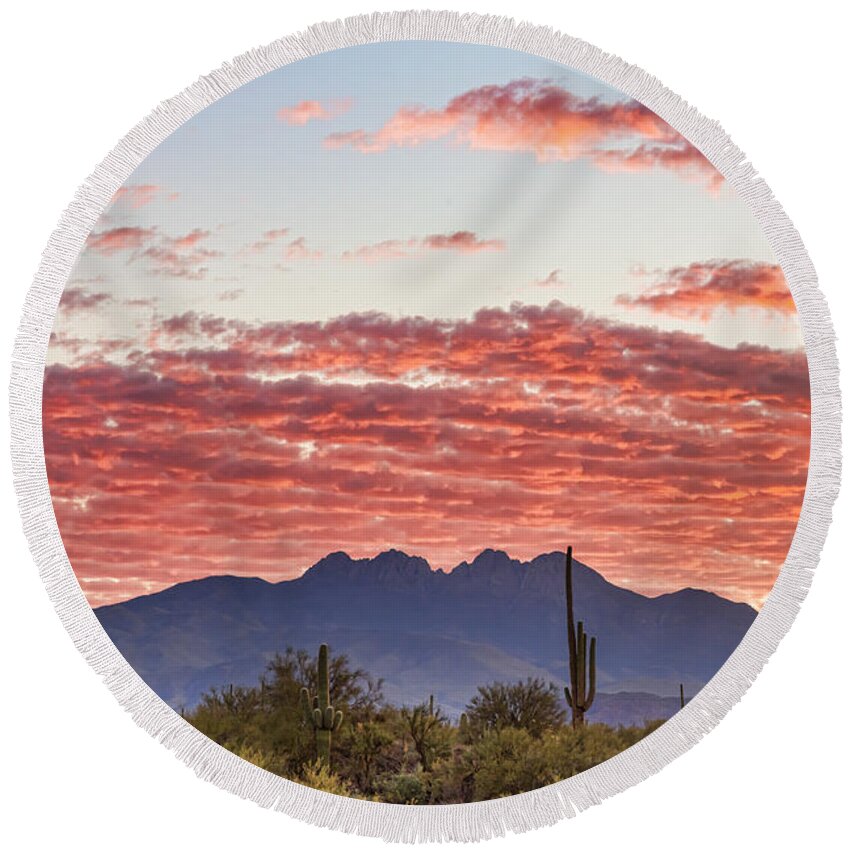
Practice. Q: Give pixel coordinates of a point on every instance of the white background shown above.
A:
(77, 77)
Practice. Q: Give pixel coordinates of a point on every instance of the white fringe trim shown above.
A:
(469, 821)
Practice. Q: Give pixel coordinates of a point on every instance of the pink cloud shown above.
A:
(183, 243)
(120, 239)
(297, 250)
(389, 249)
(266, 241)
(684, 160)
(313, 110)
(701, 289)
(541, 118)
(552, 279)
(180, 256)
(461, 241)
(77, 299)
(140, 195)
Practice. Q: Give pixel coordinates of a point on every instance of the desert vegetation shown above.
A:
(513, 737)
(325, 723)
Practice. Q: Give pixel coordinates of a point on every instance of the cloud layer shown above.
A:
(256, 448)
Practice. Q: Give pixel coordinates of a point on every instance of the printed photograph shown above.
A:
(426, 422)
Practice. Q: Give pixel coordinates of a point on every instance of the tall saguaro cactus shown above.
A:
(318, 711)
(582, 688)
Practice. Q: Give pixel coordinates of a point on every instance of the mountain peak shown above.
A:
(389, 567)
(397, 561)
(492, 557)
(332, 562)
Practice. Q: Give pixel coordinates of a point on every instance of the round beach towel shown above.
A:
(425, 411)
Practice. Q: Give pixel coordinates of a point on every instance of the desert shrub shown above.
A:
(632, 734)
(227, 716)
(266, 761)
(570, 751)
(428, 731)
(453, 777)
(533, 705)
(405, 788)
(319, 776)
(364, 750)
(507, 761)
(511, 761)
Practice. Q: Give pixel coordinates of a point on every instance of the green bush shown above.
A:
(508, 761)
(256, 756)
(405, 788)
(318, 775)
(533, 705)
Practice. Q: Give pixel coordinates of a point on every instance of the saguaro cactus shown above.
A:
(681, 695)
(582, 688)
(318, 711)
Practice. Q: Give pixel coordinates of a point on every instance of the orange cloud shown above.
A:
(250, 448)
(461, 241)
(700, 289)
(541, 118)
(313, 110)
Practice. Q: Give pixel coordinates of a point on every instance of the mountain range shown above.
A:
(428, 631)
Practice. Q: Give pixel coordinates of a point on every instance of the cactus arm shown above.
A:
(582, 665)
(337, 721)
(305, 706)
(568, 697)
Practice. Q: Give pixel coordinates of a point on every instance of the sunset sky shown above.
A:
(435, 297)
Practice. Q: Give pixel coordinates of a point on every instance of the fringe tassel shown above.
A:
(470, 821)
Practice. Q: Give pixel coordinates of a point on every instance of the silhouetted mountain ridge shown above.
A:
(429, 631)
